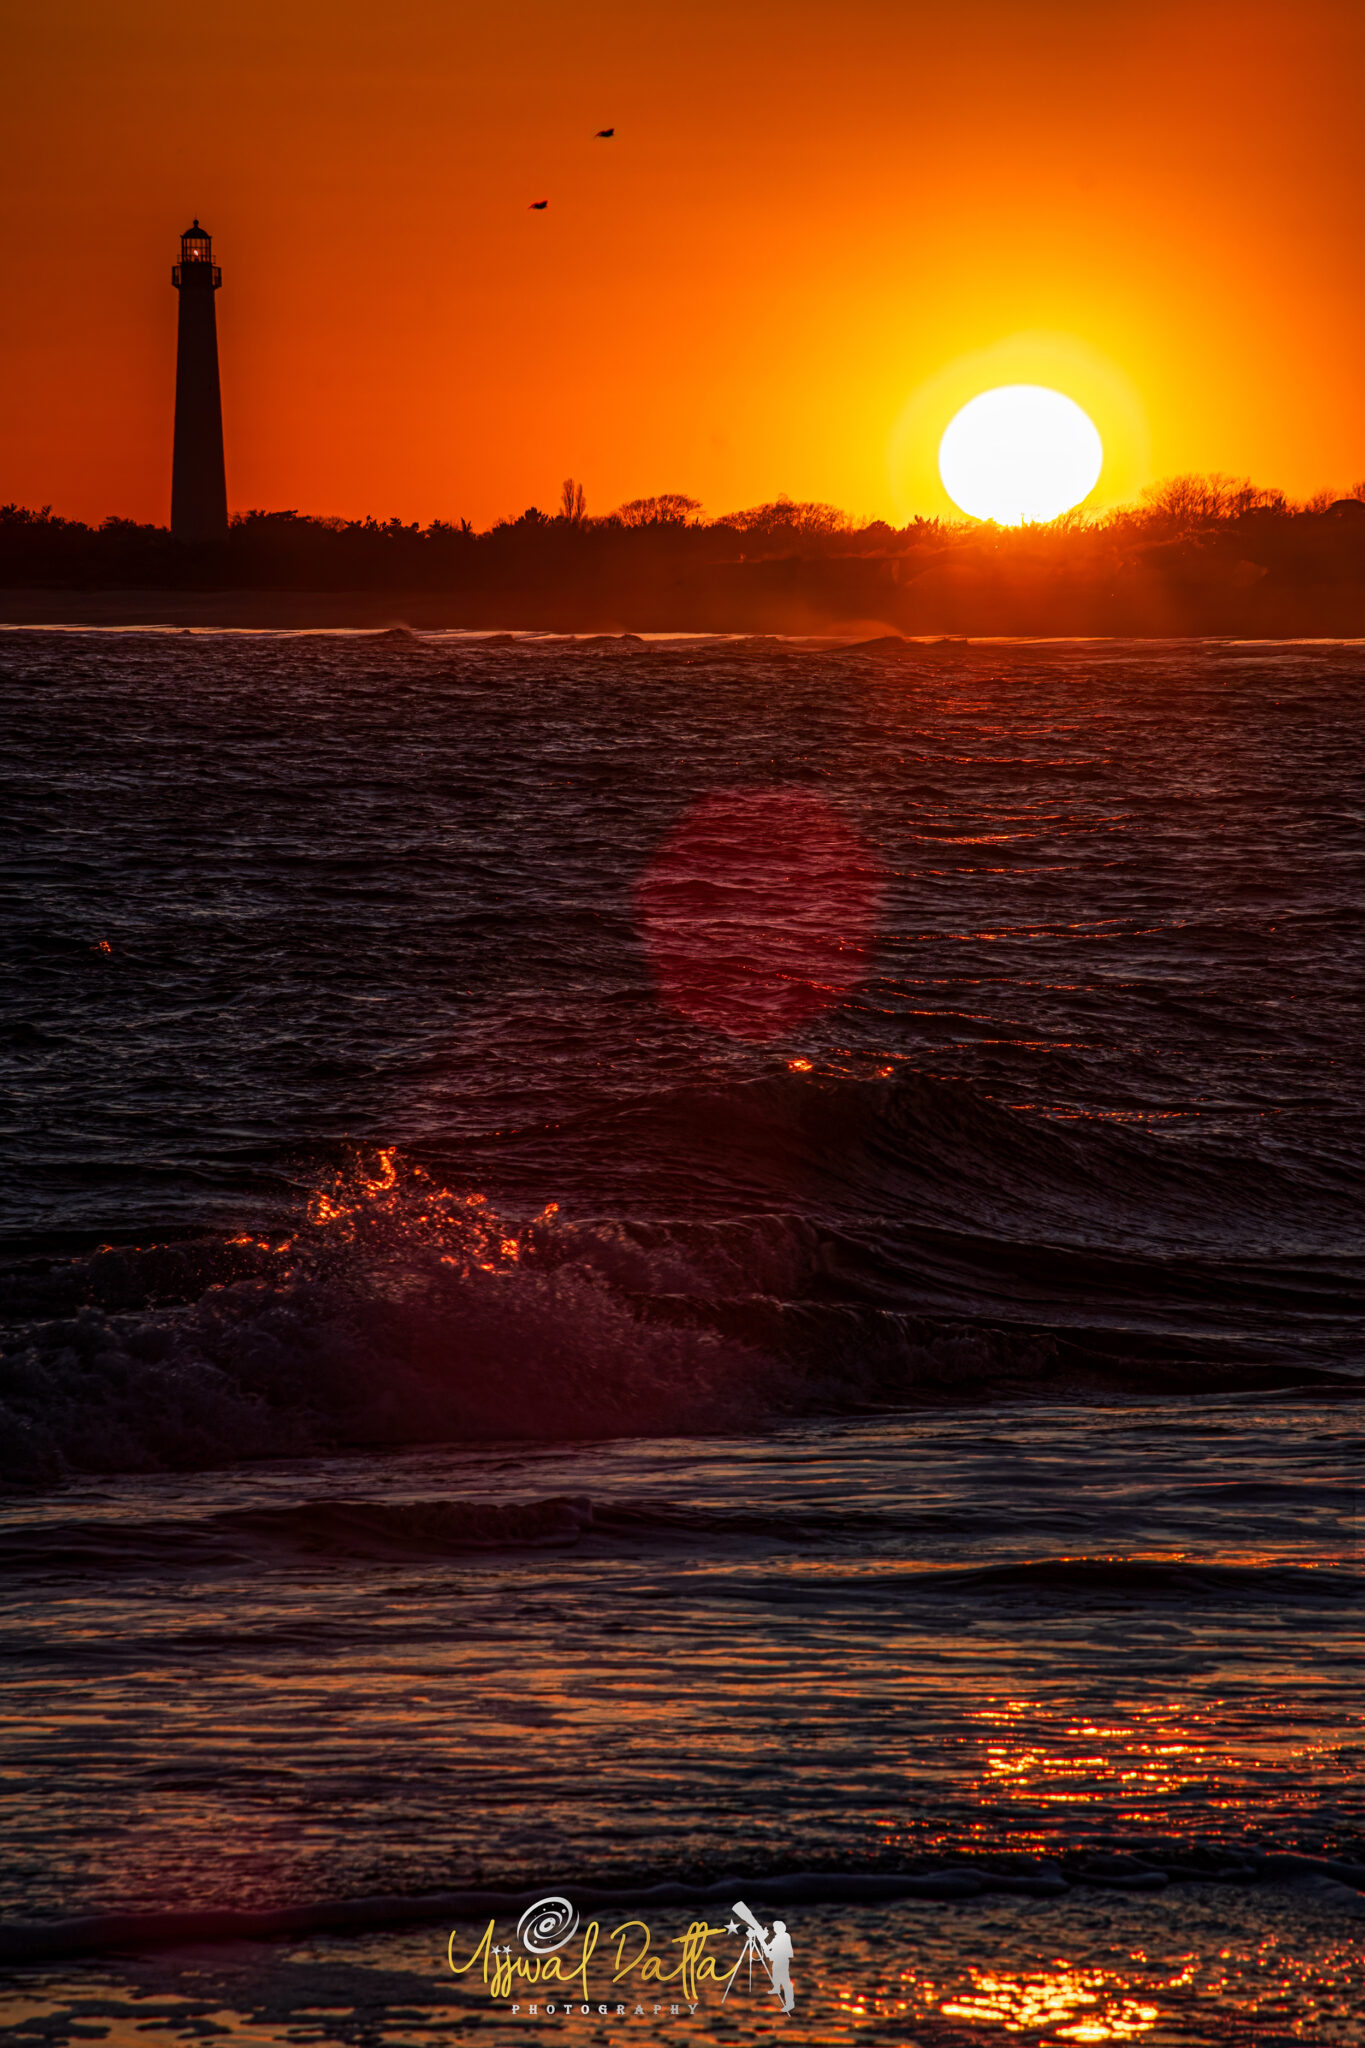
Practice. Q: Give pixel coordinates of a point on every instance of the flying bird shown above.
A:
(538, 206)
(604, 135)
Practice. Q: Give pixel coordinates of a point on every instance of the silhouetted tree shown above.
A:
(1189, 504)
(785, 516)
(671, 508)
(1213, 551)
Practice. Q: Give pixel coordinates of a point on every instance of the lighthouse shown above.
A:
(198, 486)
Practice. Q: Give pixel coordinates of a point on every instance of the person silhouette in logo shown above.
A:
(780, 1964)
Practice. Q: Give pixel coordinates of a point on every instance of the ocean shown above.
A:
(666, 1272)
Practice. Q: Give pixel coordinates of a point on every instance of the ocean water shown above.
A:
(646, 1269)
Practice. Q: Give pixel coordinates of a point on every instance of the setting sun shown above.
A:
(1018, 453)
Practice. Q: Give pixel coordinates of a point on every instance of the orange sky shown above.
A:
(810, 215)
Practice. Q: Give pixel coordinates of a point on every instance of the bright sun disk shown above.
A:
(1020, 452)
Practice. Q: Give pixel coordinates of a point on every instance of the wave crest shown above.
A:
(400, 1311)
(403, 1310)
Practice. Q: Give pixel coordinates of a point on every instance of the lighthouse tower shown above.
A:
(198, 487)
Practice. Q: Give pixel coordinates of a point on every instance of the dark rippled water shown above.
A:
(629, 1262)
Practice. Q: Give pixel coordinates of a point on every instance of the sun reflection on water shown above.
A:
(1140, 1763)
(1078, 2005)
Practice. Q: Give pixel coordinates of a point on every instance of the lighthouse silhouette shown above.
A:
(198, 484)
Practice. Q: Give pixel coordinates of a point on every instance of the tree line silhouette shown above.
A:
(1196, 553)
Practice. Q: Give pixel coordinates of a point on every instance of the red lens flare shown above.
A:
(758, 911)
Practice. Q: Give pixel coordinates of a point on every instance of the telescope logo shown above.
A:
(772, 1951)
(555, 1971)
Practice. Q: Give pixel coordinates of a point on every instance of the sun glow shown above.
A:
(1021, 452)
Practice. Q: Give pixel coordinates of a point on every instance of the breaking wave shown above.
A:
(880, 1246)
(398, 1312)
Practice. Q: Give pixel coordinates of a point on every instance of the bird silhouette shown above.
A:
(538, 206)
(604, 135)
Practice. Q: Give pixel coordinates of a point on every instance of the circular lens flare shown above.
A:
(1020, 453)
(758, 911)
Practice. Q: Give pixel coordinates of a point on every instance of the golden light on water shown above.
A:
(1079, 2005)
(1020, 452)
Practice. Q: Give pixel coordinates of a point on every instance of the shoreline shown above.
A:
(500, 613)
(103, 1933)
